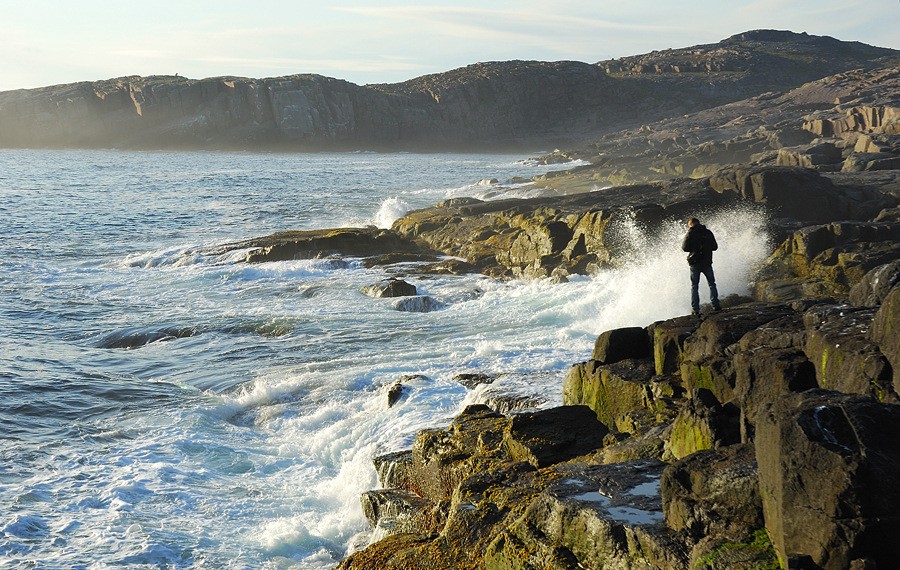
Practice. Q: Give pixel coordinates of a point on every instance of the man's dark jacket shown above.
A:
(699, 243)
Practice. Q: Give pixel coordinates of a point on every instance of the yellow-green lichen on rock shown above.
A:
(754, 553)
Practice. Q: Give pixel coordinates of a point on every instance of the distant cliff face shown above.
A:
(516, 104)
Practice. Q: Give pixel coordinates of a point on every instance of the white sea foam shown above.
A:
(390, 210)
(538, 163)
(247, 444)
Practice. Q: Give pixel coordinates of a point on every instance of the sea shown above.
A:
(164, 407)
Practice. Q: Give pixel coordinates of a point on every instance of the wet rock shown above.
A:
(547, 437)
(352, 242)
(713, 493)
(451, 266)
(394, 469)
(392, 511)
(703, 423)
(826, 260)
(845, 358)
(509, 392)
(875, 285)
(621, 344)
(828, 469)
(607, 516)
(470, 381)
(419, 304)
(612, 391)
(885, 332)
(393, 258)
(441, 459)
(394, 393)
(136, 337)
(399, 388)
(391, 287)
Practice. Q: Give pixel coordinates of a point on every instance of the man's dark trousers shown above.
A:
(695, 287)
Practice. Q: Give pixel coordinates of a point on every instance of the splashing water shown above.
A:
(246, 443)
(654, 283)
(391, 209)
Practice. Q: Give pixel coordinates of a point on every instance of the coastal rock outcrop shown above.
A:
(391, 287)
(311, 244)
(829, 498)
(760, 436)
(744, 481)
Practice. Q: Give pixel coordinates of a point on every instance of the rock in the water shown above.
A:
(392, 511)
(441, 459)
(310, 244)
(470, 381)
(394, 469)
(419, 304)
(392, 287)
(398, 389)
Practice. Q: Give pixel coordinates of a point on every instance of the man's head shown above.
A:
(693, 222)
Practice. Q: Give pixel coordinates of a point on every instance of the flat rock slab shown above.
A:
(607, 514)
(621, 493)
(308, 244)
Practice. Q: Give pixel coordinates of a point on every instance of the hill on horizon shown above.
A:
(509, 105)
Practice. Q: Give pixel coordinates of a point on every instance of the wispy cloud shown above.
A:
(365, 41)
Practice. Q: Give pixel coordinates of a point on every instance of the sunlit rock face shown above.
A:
(495, 105)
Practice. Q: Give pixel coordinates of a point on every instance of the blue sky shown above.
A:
(48, 42)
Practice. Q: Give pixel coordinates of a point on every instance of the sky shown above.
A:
(44, 42)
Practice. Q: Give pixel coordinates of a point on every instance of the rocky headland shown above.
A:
(762, 436)
(494, 105)
(766, 435)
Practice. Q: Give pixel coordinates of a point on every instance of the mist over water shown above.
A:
(168, 408)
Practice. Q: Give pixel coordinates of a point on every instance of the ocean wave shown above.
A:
(539, 163)
(390, 210)
(169, 257)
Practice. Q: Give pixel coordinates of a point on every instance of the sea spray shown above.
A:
(390, 210)
(653, 283)
(247, 444)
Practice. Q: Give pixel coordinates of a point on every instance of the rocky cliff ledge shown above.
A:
(516, 104)
(762, 436)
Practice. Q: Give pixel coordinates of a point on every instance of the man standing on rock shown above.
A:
(700, 243)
